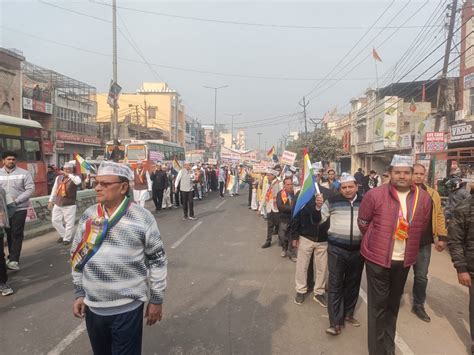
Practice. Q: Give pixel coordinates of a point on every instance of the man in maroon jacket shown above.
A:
(392, 219)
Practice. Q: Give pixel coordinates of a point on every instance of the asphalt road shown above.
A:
(225, 295)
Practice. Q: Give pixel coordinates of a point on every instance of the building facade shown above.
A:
(10, 82)
(153, 112)
(67, 110)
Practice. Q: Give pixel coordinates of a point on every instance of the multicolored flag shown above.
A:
(271, 152)
(308, 188)
(82, 166)
(376, 55)
(176, 165)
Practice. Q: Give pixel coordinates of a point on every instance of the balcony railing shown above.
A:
(37, 94)
(77, 127)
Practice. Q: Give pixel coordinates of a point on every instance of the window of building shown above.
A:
(152, 112)
(32, 150)
(471, 101)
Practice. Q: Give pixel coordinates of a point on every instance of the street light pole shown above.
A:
(215, 109)
(232, 115)
(114, 64)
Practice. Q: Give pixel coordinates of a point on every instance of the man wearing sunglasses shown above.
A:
(118, 265)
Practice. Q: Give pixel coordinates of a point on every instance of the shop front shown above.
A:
(69, 143)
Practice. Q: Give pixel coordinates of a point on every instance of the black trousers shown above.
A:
(15, 235)
(250, 194)
(384, 291)
(3, 265)
(178, 199)
(117, 334)
(221, 188)
(188, 203)
(273, 223)
(158, 198)
(471, 313)
(345, 272)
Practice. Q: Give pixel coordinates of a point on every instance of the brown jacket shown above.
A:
(437, 220)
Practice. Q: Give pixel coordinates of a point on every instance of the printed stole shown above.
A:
(61, 192)
(96, 230)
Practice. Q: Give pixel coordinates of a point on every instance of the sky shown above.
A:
(268, 69)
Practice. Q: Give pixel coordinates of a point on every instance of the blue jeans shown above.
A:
(420, 269)
(120, 334)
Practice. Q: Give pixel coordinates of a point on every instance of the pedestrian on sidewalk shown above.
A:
(62, 203)
(118, 266)
(270, 206)
(19, 187)
(5, 289)
(392, 219)
(310, 238)
(160, 183)
(285, 201)
(345, 264)
(461, 246)
(142, 184)
(435, 233)
(185, 180)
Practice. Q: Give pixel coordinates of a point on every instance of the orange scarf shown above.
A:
(61, 192)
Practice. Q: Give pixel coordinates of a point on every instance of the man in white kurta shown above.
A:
(142, 184)
(63, 198)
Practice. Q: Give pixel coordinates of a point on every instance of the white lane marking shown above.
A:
(58, 349)
(188, 233)
(220, 204)
(399, 342)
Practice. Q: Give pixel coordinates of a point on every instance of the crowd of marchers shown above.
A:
(119, 266)
(386, 224)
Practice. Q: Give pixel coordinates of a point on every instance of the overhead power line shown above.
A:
(250, 24)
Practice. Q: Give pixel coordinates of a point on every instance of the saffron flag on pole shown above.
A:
(82, 165)
(308, 188)
(376, 55)
(271, 152)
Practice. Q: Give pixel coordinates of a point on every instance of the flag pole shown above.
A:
(376, 76)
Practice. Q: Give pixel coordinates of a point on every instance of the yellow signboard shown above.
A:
(10, 130)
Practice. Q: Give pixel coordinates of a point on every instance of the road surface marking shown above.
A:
(399, 342)
(220, 204)
(183, 238)
(58, 349)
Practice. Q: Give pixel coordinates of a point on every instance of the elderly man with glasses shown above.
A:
(118, 264)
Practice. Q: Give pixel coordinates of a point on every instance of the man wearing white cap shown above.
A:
(118, 264)
(64, 198)
(184, 181)
(270, 206)
(392, 219)
(141, 184)
(345, 263)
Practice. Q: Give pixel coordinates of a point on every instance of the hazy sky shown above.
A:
(83, 47)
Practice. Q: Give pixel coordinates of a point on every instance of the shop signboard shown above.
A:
(440, 169)
(423, 127)
(59, 145)
(47, 147)
(435, 142)
(404, 141)
(462, 132)
(212, 161)
(386, 122)
(468, 81)
(77, 138)
(153, 155)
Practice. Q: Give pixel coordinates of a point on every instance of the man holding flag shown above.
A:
(310, 236)
(63, 198)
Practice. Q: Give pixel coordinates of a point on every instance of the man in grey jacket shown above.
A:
(19, 186)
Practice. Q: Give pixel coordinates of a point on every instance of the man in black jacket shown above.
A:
(285, 201)
(310, 238)
(461, 246)
(160, 183)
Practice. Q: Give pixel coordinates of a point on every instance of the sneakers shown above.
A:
(293, 258)
(185, 218)
(267, 244)
(192, 218)
(419, 311)
(5, 289)
(283, 254)
(321, 299)
(13, 265)
(334, 330)
(299, 298)
(351, 320)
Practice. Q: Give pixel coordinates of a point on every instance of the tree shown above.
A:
(322, 146)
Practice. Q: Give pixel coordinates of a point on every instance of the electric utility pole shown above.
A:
(114, 64)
